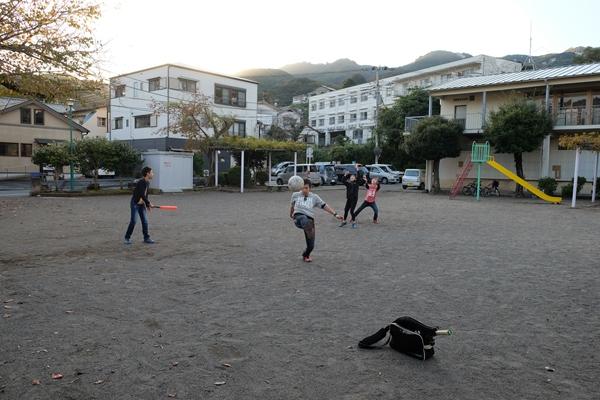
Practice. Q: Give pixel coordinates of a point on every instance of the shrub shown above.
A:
(198, 163)
(567, 190)
(233, 177)
(222, 179)
(547, 185)
(262, 177)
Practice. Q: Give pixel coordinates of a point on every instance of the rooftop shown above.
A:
(188, 68)
(570, 71)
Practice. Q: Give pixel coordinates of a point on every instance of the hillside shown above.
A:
(282, 84)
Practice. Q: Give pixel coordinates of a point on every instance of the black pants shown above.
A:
(364, 205)
(307, 224)
(350, 206)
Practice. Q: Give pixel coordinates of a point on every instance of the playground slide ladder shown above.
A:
(456, 187)
(532, 189)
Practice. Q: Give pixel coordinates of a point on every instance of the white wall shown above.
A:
(173, 172)
(138, 101)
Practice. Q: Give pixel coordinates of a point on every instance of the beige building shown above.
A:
(94, 120)
(27, 124)
(571, 94)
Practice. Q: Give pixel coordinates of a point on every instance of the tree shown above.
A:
(390, 126)
(47, 48)
(55, 155)
(517, 127)
(123, 160)
(348, 83)
(94, 154)
(588, 56)
(435, 138)
(196, 120)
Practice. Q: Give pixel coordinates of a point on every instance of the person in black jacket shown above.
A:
(352, 184)
(140, 205)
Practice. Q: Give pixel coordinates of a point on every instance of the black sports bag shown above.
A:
(406, 335)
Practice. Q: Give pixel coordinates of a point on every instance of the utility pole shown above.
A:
(377, 150)
(71, 177)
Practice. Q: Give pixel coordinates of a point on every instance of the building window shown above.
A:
(101, 121)
(154, 84)
(340, 119)
(363, 115)
(313, 106)
(353, 99)
(145, 121)
(25, 115)
(364, 97)
(313, 122)
(321, 105)
(230, 96)
(341, 101)
(120, 91)
(331, 103)
(321, 122)
(26, 149)
(357, 136)
(9, 149)
(118, 123)
(38, 117)
(353, 117)
(238, 129)
(331, 120)
(187, 85)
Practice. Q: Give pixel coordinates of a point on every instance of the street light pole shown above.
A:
(70, 104)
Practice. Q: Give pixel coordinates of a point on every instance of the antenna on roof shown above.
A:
(529, 64)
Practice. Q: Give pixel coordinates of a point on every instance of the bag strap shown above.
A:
(369, 341)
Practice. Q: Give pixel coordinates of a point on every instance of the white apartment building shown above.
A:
(351, 111)
(132, 117)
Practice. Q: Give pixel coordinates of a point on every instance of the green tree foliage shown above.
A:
(435, 138)
(391, 125)
(123, 160)
(47, 48)
(348, 83)
(55, 156)
(198, 164)
(588, 56)
(518, 127)
(92, 155)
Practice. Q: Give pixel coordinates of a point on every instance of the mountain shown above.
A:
(546, 60)
(280, 85)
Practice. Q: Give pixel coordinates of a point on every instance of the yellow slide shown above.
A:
(525, 184)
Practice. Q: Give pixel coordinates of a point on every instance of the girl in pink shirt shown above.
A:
(372, 189)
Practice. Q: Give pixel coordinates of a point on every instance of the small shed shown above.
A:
(173, 171)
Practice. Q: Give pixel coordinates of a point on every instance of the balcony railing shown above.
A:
(471, 123)
(576, 116)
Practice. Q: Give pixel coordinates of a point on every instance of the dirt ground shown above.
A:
(223, 297)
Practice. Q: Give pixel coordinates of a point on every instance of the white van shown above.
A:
(303, 170)
(413, 178)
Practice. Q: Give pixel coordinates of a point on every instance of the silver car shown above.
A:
(383, 176)
(413, 178)
(303, 170)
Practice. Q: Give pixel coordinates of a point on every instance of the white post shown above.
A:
(242, 173)
(595, 178)
(295, 162)
(216, 168)
(574, 198)
(545, 157)
(270, 168)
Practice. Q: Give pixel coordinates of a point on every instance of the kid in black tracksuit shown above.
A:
(352, 184)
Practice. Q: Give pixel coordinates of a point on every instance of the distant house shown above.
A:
(27, 124)
(289, 118)
(95, 120)
(266, 115)
(303, 98)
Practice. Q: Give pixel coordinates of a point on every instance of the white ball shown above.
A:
(295, 183)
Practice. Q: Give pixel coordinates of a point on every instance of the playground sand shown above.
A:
(224, 297)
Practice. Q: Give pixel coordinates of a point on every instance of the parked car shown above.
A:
(280, 167)
(304, 170)
(382, 175)
(413, 178)
(327, 173)
(354, 169)
(389, 168)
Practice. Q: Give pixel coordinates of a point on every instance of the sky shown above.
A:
(228, 36)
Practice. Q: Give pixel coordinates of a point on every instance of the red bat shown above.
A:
(170, 208)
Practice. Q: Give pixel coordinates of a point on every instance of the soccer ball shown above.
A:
(295, 183)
